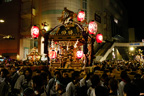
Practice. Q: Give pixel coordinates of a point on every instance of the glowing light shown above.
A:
(99, 38)
(115, 20)
(52, 54)
(17, 57)
(131, 48)
(46, 28)
(2, 21)
(79, 54)
(81, 16)
(35, 31)
(92, 28)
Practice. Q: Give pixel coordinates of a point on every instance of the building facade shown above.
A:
(110, 16)
(10, 15)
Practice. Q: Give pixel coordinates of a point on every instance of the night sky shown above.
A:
(135, 9)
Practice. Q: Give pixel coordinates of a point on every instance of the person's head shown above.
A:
(37, 82)
(82, 74)
(57, 75)
(44, 69)
(123, 75)
(28, 92)
(45, 77)
(4, 73)
(12, 69)
(95, 80)
(131, 89)
(75, 76)
(89, 75)
(64, 74)
(28, 73)
(37, 72)
(137, 76)
(113, 84)
(104, 76)
(59, 86)
(1, 67)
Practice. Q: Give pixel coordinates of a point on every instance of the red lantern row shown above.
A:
(92, 25)
(53, 54)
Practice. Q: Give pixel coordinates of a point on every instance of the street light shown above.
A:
(132, 52)
(131, 48)
(7, 37)
(2, 21)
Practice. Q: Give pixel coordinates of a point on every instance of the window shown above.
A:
(85, 7)
(116, 30)
(8, 0)
(36, 43)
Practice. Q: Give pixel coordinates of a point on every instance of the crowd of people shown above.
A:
(19, 79)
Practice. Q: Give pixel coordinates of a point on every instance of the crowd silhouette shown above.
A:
(107, 78)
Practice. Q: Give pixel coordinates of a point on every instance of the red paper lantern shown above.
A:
(79, 54)
(92, 28)
(35, 31)
(52, 54)
(99, 38)
(81, 16)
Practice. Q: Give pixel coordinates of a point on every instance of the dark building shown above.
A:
(20, 15)
(10, 13)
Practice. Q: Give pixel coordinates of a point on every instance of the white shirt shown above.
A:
(91, 92)
(88, 83)
(121, 88)
(70, 89)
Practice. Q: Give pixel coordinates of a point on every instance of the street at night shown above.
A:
(71, 48)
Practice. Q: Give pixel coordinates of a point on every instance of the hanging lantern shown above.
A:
(92, 28)
(52, 54)
(79, 54)
(34, 31)
(99, 38)
(81, 16)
